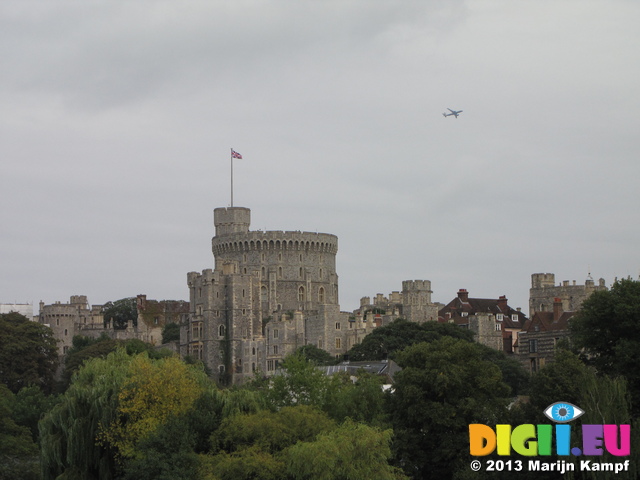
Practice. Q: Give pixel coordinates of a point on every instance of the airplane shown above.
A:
(453, 112)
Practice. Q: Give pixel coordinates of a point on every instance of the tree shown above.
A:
(444, 386)
(28, 353)
(171, 333)
(121, 312)
(607, 328)
(69, 431)
(112, 405)
(399, 334)
(151, 393)
(85, 349)
(316, 355)
(18, 451)
(301, 383)
(353, 450)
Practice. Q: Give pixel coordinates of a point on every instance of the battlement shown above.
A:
(542, 280)
(276, 240)
(416, 286)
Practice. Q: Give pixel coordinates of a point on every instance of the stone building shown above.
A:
(271, 292)
(413, 303)
(544, 292)
(79, 318)
(493, 321)
(541, 334)
(68, 319)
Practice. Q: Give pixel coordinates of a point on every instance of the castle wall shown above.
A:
(544, 290)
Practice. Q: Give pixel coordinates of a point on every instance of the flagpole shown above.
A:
(231, 177)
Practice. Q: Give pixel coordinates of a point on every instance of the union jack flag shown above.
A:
(235, 154)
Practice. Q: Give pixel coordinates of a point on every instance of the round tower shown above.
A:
(295, 270)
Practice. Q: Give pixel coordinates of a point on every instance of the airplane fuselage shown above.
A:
(455, 113)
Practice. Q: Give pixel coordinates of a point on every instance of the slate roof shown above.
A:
(462, 306)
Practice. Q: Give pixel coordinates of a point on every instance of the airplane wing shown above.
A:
(451, 110)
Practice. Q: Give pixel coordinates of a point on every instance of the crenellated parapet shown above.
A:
(275, 240)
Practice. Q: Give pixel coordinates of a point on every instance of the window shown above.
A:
(534, 365)
(221, 369)
(498, 327)
(263, 294)
(269, 365)
(279, 272)
(499, 317)
(320, 343)
(533, 346)
(275, 349)
(321, 295)
(301, 294)
(276, 334)
(337, 325)
(514, 317)
(300, 272)
(338, 343)
(253, 351)
(221, 331)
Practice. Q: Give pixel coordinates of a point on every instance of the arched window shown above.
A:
(321, 295)
(221, 331)
(263, 294)
(301, 294)
(279, 272)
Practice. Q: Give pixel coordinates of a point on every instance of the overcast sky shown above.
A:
(118, 117)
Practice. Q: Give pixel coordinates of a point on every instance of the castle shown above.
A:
(271, 292)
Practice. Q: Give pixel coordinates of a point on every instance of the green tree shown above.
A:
(85, 349)
(69, 432)
(171, 333)
(28, 353)
(385, 341)
(28, 407)
(444, 386)
(300, 383)
(361, 399)
(121, 312)
(271, 431)
(351, 451)
(607, 330)
(315, 355)
(112, 405)
(18, 451)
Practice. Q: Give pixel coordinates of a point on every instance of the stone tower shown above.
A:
(257, 277)
(544, 292)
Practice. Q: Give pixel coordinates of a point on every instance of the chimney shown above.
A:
(502, 304)
(557, 309)
(463, 295)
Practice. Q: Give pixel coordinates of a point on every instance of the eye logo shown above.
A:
(563, 412)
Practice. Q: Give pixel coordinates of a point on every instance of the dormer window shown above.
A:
(514, 317)
(499, 317)
(464, 314)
